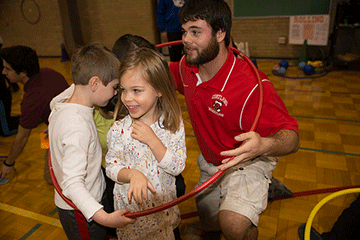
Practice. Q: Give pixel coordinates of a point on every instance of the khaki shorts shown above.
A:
(242, 189)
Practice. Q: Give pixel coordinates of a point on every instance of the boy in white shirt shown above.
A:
(75, 148)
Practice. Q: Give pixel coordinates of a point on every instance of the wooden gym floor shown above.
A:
(328, 112)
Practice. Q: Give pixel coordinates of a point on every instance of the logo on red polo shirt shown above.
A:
(217, 105)
(218, 102)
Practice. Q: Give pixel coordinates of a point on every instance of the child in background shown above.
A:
(104, 117)
(75, 148)
(128, 42)
(146, 146)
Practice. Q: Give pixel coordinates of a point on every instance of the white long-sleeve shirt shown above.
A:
(76, 155)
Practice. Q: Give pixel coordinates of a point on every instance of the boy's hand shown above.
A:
(113, 220)
(119, 219)
(142, 132)
(139, 184)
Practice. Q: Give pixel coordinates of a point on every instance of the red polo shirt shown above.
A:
(39, 90)
(226, 105)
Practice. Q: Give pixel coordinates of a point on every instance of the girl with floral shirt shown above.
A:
(146, 145)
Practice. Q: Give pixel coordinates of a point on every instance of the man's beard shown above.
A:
(206, 55)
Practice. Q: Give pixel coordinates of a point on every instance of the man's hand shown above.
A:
(19, 143)
(250, 149)
(281, 143)
(5, 170)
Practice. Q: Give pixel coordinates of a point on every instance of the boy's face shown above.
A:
(105, 93)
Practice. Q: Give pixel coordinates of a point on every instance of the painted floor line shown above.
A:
(319, 118)
(330, 119)
(28, 234)
(311, 149)
(331, 152)
(28, 214)
(52, 213)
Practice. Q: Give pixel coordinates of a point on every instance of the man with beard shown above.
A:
(21, 65)
(221, 93)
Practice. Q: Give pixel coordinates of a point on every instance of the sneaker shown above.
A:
(314, 235)
(278, 189)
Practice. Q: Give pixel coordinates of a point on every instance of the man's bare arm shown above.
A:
(282, 143)
(18, 145)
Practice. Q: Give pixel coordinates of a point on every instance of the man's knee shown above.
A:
(236, 226)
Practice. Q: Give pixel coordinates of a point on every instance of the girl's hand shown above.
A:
(142, 132)
(139, 184)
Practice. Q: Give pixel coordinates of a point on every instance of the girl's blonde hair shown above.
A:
(155, 70)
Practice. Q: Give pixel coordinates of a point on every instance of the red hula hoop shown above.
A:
(218, 173)
(57, 186)
(202, 186)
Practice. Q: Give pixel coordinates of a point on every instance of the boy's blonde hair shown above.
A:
(155, 70)
(94, 60)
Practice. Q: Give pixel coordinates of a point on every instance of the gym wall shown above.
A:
(100, 20)
(106, 20)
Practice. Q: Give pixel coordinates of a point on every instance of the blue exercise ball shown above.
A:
(301, 65)
(284, 63)
(308, 69)
(282, 71)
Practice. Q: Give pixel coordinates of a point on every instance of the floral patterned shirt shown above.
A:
(127, 152)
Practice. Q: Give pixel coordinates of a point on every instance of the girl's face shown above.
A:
(139, 97)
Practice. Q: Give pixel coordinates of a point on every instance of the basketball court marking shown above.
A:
(28, 214)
